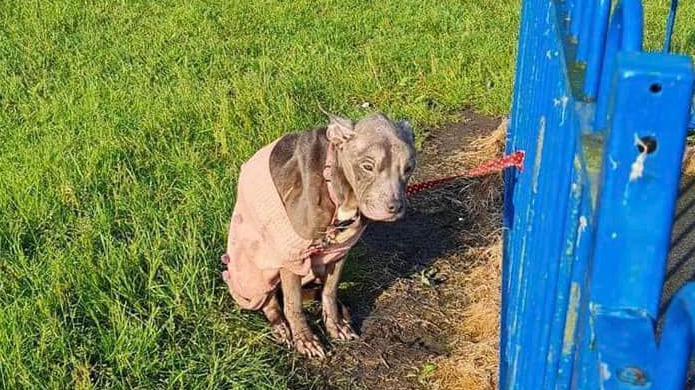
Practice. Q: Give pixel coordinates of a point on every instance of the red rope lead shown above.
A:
(494, 166)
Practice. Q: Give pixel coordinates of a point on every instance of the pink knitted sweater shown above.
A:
(262, 241)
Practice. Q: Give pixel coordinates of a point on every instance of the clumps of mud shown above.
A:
(689, 161)
(474, 342)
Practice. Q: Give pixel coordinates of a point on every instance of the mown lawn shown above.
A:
(122, 128)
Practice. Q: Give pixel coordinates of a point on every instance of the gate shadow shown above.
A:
(681, 263)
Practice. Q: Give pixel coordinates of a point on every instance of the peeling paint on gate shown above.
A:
(571, 319)
(539, 154)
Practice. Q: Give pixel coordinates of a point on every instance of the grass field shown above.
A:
(122, 128)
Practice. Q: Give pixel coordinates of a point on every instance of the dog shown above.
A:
(302, 202)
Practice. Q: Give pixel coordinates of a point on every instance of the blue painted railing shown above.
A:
(588, 221)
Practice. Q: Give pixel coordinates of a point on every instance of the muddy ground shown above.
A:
(424, 291)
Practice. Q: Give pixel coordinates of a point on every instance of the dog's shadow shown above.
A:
(436, 224)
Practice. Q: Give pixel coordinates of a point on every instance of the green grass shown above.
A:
(122, 128)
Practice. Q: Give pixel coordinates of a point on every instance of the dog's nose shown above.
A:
(395, 206)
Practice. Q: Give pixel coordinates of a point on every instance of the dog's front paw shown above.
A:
(340, 330)
(281, 333)
(307, 344)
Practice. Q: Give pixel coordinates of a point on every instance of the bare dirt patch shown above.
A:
(424, 292)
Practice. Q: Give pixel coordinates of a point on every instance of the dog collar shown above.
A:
(328, 174)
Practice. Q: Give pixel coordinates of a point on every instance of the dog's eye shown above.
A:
(368, 167)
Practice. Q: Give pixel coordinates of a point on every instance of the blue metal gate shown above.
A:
(588, 222)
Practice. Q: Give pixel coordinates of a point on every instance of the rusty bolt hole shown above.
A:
(655, 88)
(649, 142)
(634, 376)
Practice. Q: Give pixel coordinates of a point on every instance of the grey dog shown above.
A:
(328, 184)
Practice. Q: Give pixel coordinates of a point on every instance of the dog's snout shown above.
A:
(395, 206)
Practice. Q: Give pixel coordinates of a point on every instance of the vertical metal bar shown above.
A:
(571, 274)
(630, 196)
(576, 20)
(624, 34)
(577, 332)
(596, 49)
(670, 25)
(569, 7)
(586, 30)
(518, 137)
(544, 124)
(641, 171)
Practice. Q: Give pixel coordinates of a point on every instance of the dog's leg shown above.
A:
(279, 327)
(305, 341)
(337, 322)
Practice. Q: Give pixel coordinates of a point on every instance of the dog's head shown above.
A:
(377, 157)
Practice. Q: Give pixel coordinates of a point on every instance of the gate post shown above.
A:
(588, 222)
(542, 204)
(648, 117)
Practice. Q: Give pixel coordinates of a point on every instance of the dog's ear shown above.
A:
(406, 131)
(340, 130)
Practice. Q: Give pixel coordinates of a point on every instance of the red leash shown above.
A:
(513, 160)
